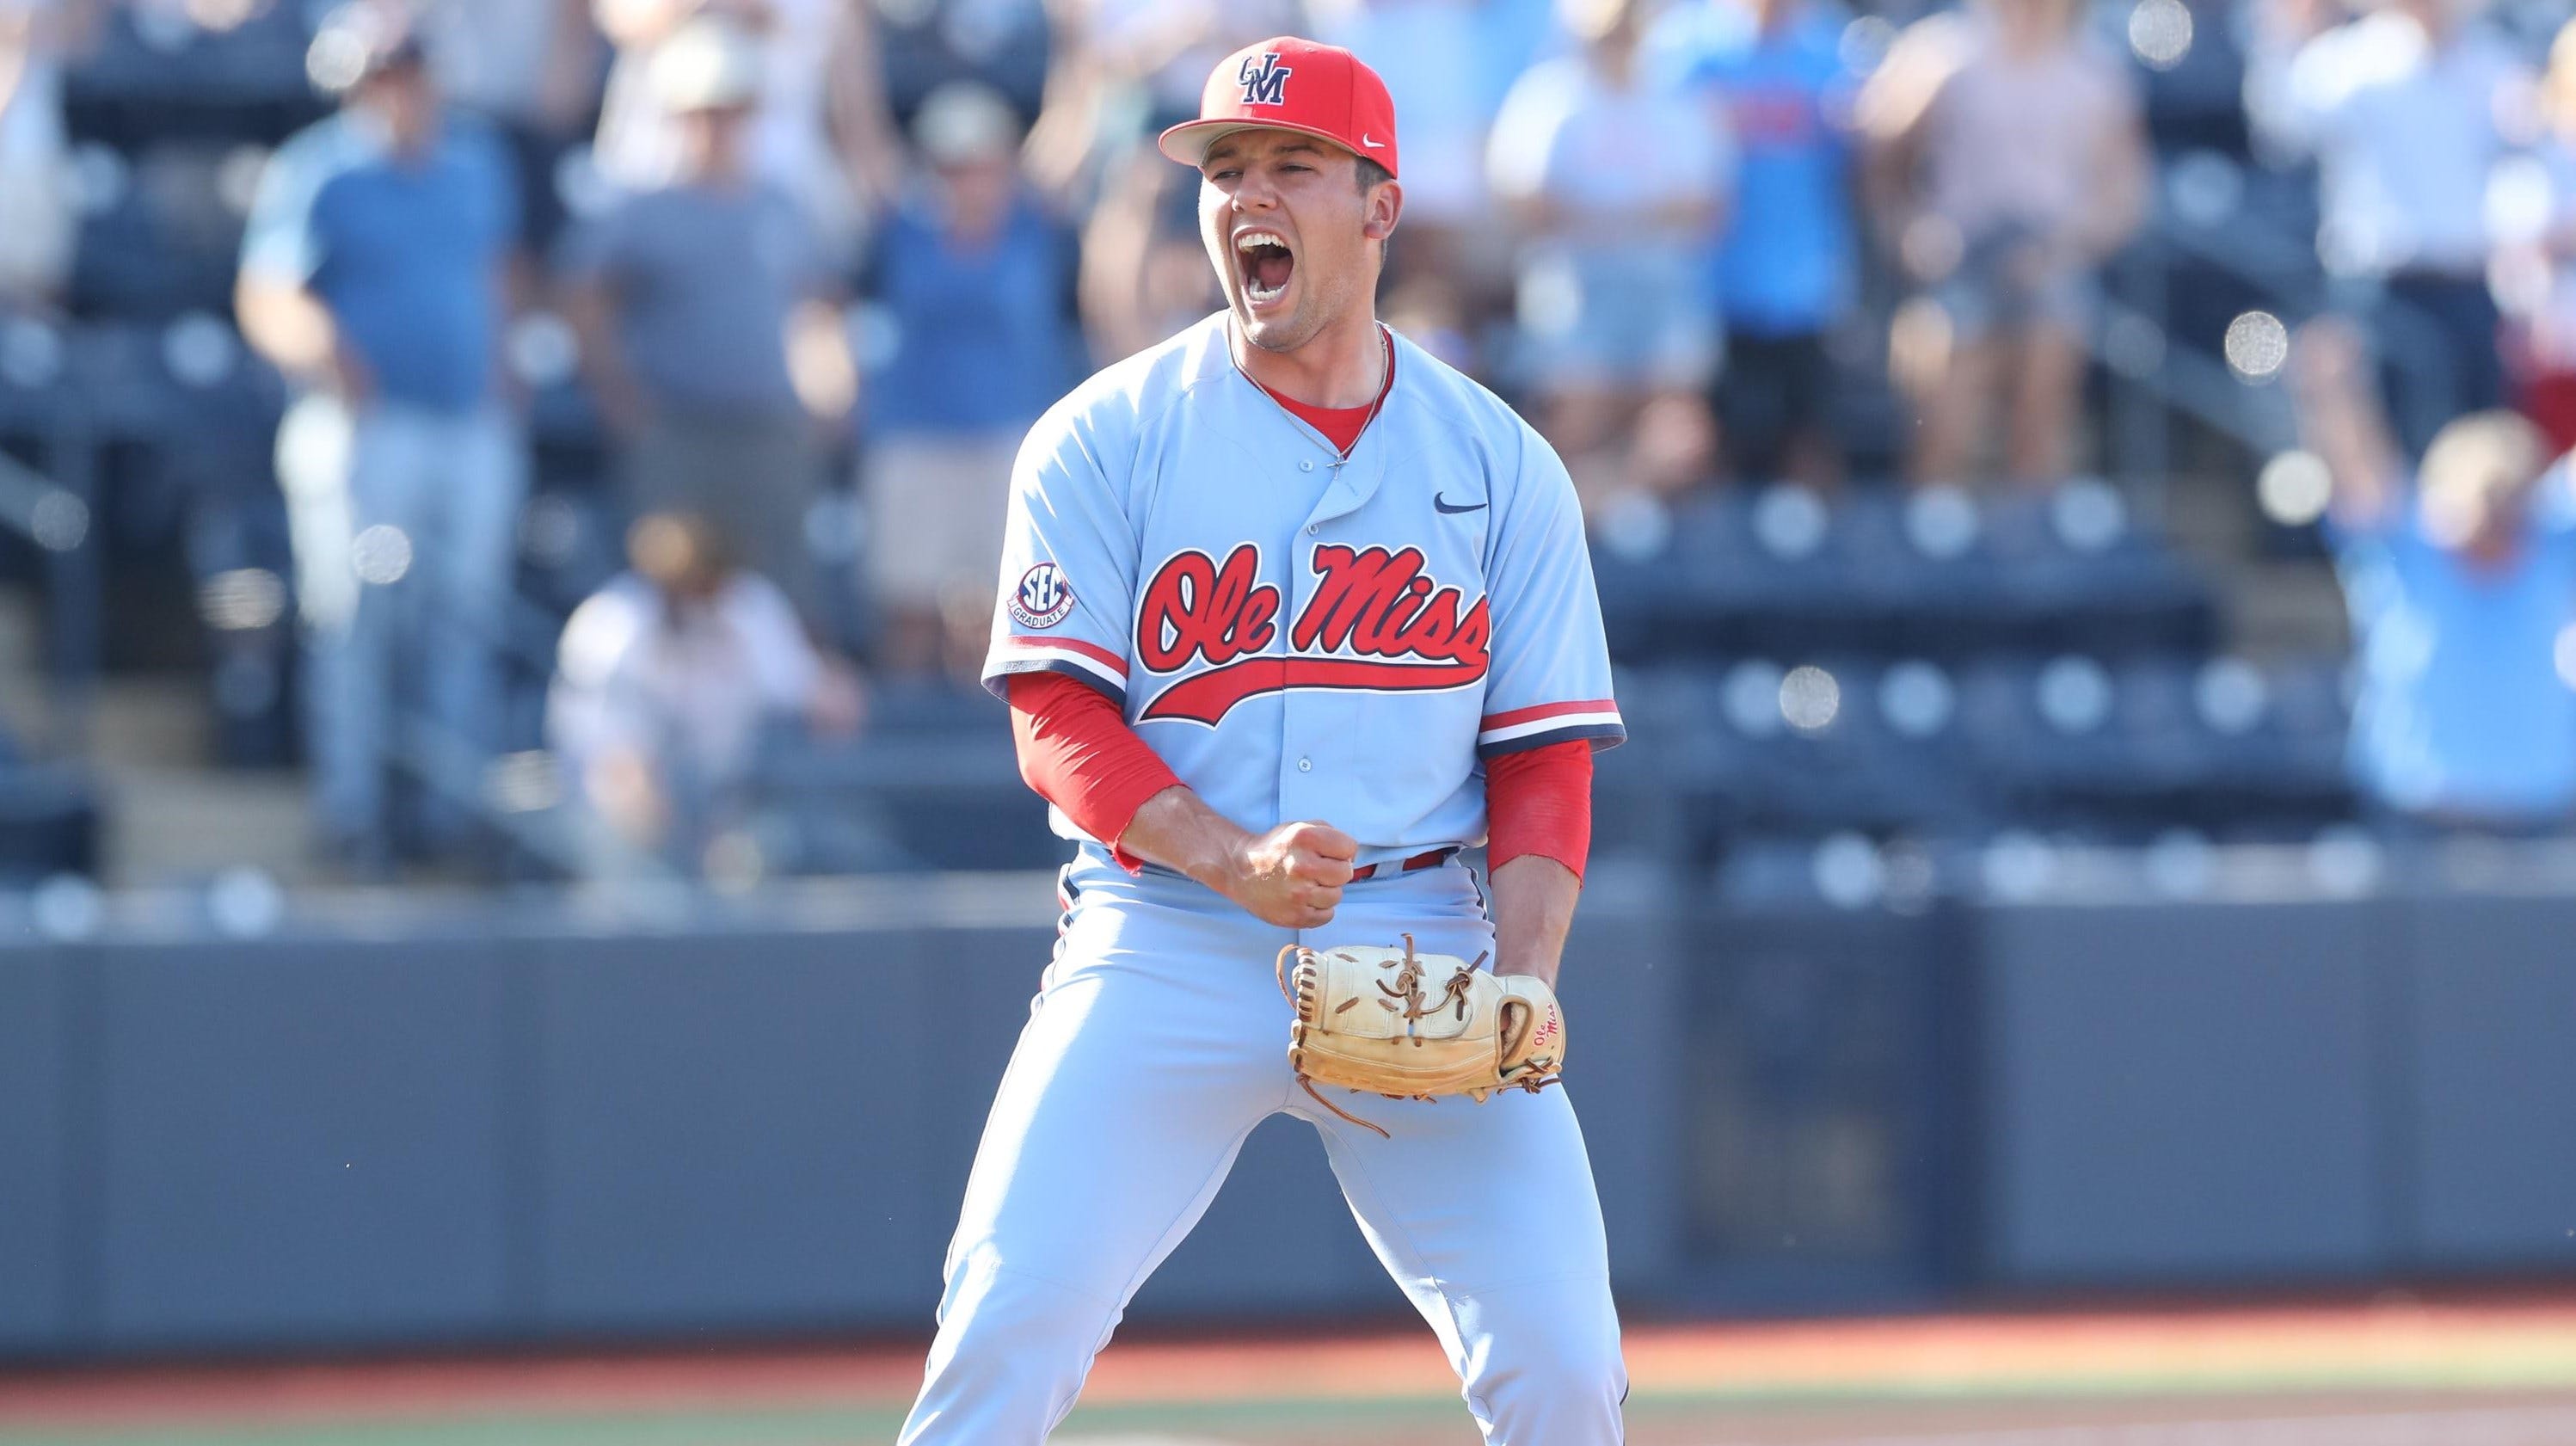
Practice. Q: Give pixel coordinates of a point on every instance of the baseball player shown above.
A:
(1290, 613)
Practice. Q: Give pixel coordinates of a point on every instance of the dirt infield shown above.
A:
(2385, 1374)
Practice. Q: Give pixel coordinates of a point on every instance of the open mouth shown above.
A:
(1267, 264)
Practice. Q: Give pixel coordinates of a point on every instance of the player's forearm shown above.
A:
(1176, 829)
(1534, 898)
(1291, 877)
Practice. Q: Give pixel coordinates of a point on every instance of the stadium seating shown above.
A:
(1934, 573)
(1797, 671)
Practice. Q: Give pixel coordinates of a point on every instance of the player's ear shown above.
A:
(1384, 205)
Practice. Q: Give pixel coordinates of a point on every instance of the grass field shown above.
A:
(2383, 1374)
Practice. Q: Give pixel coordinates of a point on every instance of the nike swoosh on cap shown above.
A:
(1372, 145)
(1440, 503)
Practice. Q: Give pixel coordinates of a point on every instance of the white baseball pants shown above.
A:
(1157, 1042)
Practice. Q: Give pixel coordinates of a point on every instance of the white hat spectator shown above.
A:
(963, 122)
(360, 40)
(707, 64)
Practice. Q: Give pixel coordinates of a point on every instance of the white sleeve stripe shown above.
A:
(998, 676)
(1022, 653)
(1548, 725)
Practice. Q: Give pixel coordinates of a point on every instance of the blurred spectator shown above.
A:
(1150, 57)
(2006, 160)
(2462, 590)
(2539, 264)
(37, 217)
(531, 67)
(665, 680)
(2405, 111)
(1614, 185)
(975, 280)
(1124, 70)
(699, 303)
(374, 272)
(820, 129)
(1144, 270)
(1006, 44)
(1448, 64)
(1784, 273)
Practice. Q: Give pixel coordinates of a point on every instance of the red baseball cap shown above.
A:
(1289, 84)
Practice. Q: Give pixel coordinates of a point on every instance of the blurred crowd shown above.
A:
(824, 249)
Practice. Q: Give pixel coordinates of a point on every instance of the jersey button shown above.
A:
(1306, 466)
(1310, 529)
(1305, 765)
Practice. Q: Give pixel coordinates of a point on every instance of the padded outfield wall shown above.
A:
(401, 1124)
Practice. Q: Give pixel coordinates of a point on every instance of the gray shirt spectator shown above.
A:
(817, 124)
(705, 278)
(696, 301)
(2006, 159)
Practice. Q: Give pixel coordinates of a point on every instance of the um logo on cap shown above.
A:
(1267, 85)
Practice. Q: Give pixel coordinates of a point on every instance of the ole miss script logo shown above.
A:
(1377, 622)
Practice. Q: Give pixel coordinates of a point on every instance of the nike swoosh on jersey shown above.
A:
(1442, 504)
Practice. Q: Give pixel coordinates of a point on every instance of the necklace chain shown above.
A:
(1385, 384)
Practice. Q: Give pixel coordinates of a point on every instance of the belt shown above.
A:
(1431, 860)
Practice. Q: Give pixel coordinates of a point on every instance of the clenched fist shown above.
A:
(1292, 876)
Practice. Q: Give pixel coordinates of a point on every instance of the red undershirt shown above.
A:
(1341, 426)
(1077, 752)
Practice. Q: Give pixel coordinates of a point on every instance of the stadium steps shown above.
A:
(2279, 594)
(2280, 608)
(177, 823)
(172, 816)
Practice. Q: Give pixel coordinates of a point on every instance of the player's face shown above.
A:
(1289, 229)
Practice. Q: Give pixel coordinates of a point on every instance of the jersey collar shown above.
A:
(1386, 389)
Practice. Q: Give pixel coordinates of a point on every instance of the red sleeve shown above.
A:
(1539, 802)
(1077, 751)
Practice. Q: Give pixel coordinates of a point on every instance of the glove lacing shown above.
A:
(1417, 1005)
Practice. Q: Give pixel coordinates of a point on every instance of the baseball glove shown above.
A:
(1416, 1026)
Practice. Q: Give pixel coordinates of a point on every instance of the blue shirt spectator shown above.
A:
(984, 336)
(2460, 576)
(1776, 68)
(373, 272)
(403, 253)
(975, 282)
(2468, 668)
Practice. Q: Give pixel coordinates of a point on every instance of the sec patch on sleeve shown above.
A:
(1043, 598)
